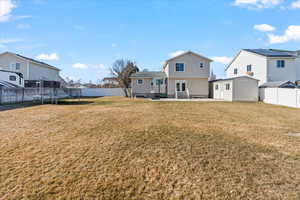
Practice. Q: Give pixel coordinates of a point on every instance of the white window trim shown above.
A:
(183, 66)
(137, 81)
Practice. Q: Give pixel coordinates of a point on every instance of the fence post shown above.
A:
(0, 95)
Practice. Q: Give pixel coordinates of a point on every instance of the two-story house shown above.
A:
(183, 76)
(266, 65)
(34, 72)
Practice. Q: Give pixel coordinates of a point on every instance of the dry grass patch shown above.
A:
(116, 148)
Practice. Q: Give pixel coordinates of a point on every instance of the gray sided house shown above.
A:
(184, 76)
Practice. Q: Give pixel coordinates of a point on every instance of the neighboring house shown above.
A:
(266, 65)
(10, 79)
(184, 76)
(110, 81)
(34, 72)
(243, 88)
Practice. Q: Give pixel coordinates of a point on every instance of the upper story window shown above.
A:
(201, 65)
(140, 81)
(16, 66)
(227, 86)
(235, 71)
(249, 68)
(179, 67)
(280, 63)
(12, 78)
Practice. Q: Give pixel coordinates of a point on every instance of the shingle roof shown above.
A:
(148, 74)
(270, 53)
(279, 84)
(33, 60)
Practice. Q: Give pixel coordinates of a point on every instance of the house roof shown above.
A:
(185, 53)
(279, 84)
(228, 79)
(148, 75)
(271, 52)
(32, 60)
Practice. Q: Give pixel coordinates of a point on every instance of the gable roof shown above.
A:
(185, 53)
(273, 53)
(31, 60)
(148, 75)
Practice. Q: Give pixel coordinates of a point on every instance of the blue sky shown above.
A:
(84, 38)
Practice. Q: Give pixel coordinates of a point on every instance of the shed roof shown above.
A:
(233, 78)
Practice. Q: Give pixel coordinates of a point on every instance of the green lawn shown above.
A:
(117, 148)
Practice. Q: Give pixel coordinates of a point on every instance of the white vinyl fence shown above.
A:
(280, 96)
(101, 92)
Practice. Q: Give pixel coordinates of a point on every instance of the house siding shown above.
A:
(288, 73)
(191, 65)
(258, 63)
(6, 60)
(37, 72)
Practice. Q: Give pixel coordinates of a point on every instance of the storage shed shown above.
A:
(242, 88)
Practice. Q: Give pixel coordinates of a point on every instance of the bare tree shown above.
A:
(122, 70)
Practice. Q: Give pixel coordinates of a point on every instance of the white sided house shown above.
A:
(184, 76)
(34, 72)
(266, 65)
(243, 88)
(9, 79)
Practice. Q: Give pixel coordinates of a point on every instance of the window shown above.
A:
(227, 86)
(280, 63)
(201, 65)
(140, 81)
(12, 78)
(18, 66)
(179, 67)
(249, 68)
(217, 87)
(178, 87)
(183, 87)
(235, 71)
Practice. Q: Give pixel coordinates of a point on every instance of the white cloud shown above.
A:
(222, 59)
(292, 33)
(52, 56)
(23, 17)
(113, 45)
(3, 42)
(257, 3)
(6, 7)
(23, 26)
(296, 4)
(264, 27)
(176, 53)
(80, 66)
